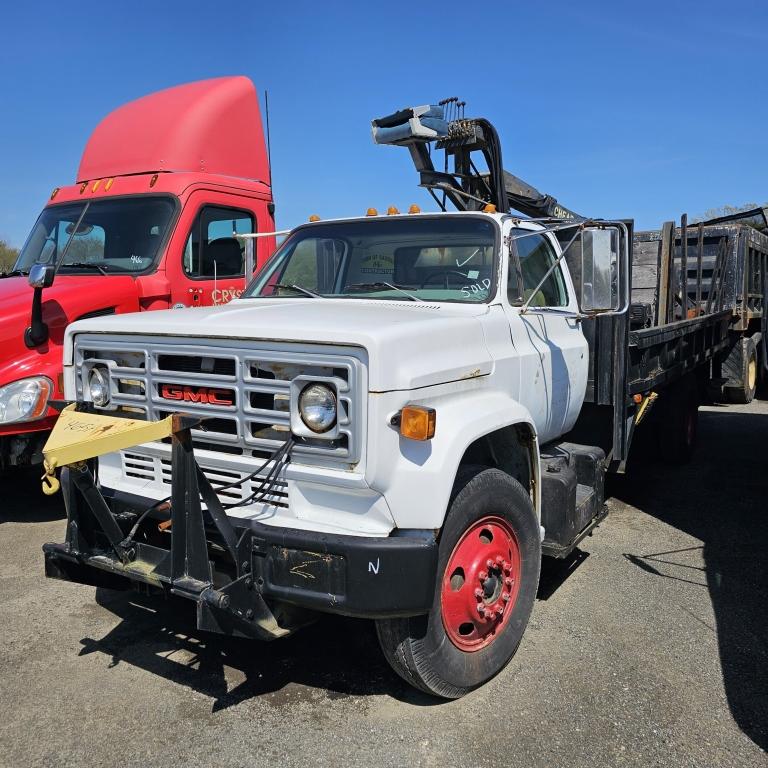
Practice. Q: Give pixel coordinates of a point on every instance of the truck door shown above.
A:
(556, 379)
(210, 268)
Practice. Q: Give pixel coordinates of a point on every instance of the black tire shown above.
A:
(678, 422)
(741, 370)
(418, 648)
(761, 392)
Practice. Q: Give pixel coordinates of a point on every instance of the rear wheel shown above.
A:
(678, 422)
(740, 367)
(488, 573)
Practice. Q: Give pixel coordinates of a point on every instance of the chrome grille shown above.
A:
(245, 392)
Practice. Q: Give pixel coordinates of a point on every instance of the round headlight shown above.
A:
(98, 387)
(317, 406)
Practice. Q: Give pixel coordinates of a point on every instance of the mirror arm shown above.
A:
(37, 332)
(527, 302)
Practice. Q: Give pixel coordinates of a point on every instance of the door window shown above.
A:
(536, 257)
(212, 250)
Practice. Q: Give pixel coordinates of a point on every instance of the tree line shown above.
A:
(7, 256)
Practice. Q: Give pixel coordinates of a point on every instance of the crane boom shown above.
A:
(462, 139)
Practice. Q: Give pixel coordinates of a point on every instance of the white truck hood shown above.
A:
(409, 344)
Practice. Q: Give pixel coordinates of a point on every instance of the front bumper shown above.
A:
(358, 576)
(247, 578)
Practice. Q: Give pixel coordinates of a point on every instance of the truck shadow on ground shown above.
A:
(337, 655)
(721, 499)
(23, 501)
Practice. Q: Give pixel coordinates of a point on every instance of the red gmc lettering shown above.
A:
(209, 395)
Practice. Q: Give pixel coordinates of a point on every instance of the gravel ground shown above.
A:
(650, 649)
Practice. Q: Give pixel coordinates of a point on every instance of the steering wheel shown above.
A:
(445, 273)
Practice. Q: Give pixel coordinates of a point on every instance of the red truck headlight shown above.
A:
(25, 400)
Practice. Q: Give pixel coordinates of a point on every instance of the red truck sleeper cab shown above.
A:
(163, 184)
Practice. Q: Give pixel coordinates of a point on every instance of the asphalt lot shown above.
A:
(652, 651)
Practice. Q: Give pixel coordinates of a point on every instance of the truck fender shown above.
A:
(417, 483)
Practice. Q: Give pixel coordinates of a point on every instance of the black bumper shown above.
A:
(351, 575)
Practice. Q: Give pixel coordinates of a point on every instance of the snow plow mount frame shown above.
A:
(99, 551)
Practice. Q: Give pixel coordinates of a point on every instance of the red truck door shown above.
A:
(206, 264)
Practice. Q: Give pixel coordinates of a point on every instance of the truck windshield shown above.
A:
(115, 235)
(421, 258)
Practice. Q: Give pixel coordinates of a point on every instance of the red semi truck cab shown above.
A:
(164, 184)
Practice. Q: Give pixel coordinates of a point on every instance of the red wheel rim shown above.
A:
(480, 584)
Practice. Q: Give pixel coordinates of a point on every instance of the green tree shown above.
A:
(7, 256)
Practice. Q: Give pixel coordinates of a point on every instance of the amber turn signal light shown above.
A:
(417, 422)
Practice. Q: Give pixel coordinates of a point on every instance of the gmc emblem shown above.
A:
(187, 394)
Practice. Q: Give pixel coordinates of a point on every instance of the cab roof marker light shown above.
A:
(96, 185)
(414, 209)
(314, 217)
(83, 186)
(54, 193)
(392, 211)
(109, 184)
(153, 181)
(371, 212)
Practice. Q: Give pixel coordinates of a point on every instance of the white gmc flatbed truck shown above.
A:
(389, 423)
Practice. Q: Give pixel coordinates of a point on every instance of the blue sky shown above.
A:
(642, 110)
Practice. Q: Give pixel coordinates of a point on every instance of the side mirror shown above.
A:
(600, 279)
(41, 275)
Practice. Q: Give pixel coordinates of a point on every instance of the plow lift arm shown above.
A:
(466, 186)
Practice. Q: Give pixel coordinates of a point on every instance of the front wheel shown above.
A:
(488, 573)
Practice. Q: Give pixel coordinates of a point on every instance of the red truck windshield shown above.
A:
(114, 236)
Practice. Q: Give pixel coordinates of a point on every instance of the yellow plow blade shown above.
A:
(79, 436)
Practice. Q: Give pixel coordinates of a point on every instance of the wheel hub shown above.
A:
(480, 583)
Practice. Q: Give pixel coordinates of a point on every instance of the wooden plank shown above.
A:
(700, 267)
(684, 266)
(667, 243)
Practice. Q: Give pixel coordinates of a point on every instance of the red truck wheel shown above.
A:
(488, 573)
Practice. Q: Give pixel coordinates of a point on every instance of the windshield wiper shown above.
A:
(84, 265)
(383, 284)
(13, 273)
(298, 289)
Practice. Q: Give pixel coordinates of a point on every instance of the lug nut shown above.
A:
(489, 562)
(491, 614)
(483, 575)
(505, 597)
(508, 582)
(506, 566)
(499, 559)
(479, 593)
(481, 609)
